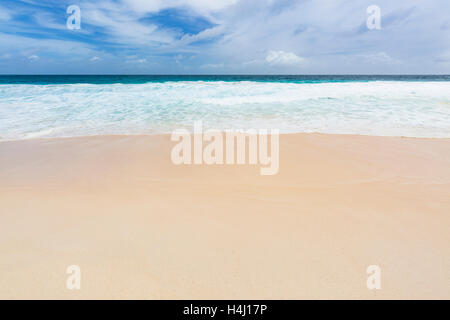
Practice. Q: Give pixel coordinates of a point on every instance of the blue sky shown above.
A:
(225, 37)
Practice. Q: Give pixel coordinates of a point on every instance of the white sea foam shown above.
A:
(398, 108)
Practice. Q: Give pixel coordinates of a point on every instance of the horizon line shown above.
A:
(255, 75)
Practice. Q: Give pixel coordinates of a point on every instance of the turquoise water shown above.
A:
(64, 106)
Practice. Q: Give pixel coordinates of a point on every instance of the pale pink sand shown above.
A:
(141, 227)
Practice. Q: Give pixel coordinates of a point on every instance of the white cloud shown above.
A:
(5, 56)
(29, 47)
(203, 35)
(135, 59)
(122, 20)
(205, 6)
(46, 20)
(379, 57)
(94, 59)
(212, 66)
(123, 26)
(281, 58)
(33, 57)
(5, 14)
(444, 57)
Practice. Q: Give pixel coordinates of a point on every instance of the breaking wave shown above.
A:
(388, 108)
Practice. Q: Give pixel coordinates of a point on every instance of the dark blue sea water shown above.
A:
(139, 79)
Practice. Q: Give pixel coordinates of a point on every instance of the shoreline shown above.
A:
(141, 135)
(140, 227)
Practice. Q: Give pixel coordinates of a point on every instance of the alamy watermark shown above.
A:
(73, 281)
(374, 278)
(227, 147)
(374, 20)
(74, 20)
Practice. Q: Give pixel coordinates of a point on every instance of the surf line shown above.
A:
(229, 147)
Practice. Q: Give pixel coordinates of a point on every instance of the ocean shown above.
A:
(67, 106)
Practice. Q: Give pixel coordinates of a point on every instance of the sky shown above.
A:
(224, 37)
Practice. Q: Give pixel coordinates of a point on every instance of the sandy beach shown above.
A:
(141, 227)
